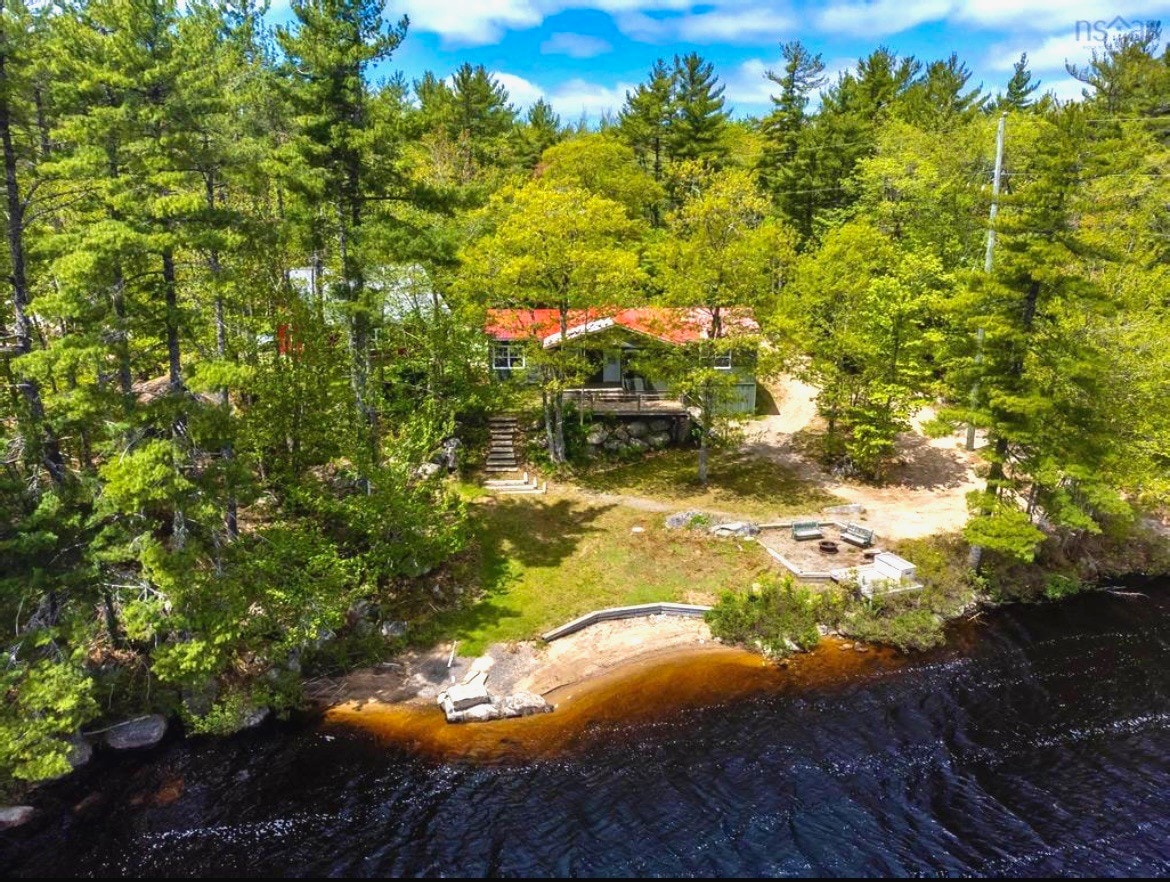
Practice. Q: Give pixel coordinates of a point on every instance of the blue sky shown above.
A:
(582, 55)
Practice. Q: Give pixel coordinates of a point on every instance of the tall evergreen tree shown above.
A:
(1018, 94)
(540, 130)
(698, 117)
(644, 122)
(781, 172)
(330, 49)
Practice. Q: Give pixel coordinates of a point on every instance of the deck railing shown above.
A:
(611, 397)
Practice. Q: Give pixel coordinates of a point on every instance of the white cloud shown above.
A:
(749, 89)
(473, 23)
(727, 22)
(747, 85)
(571, 99)
(479, 22)
(877, 18)
(1043, 15)
(575, 45)
(1044, 54)
(577, 96)
(521, 92)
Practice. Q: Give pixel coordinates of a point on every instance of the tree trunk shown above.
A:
(557, 450)
(175, 386)
(231, 508)
(45, 447)
(703, 455)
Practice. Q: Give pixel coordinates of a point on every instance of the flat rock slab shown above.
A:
(15, 815)
(518, 704)
(142, 732)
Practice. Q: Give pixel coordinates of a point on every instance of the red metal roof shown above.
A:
(669, 325)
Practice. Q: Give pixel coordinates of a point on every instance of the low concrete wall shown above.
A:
(625, 612)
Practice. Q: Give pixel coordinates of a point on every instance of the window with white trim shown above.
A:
(507, 355)
(723, 362)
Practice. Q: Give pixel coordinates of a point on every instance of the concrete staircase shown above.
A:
(501, 456)
(524, 486)
(502, 466)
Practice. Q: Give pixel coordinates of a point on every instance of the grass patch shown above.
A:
(740, 484)
(538, 562)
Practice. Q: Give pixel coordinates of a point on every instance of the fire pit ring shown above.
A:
(827, 546)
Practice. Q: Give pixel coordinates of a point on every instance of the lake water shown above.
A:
(1037, 742)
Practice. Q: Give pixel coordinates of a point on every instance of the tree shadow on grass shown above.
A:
(733, 478)
(511, 535)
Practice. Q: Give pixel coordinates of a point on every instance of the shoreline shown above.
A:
(652, 685)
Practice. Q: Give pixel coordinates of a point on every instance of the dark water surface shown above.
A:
(1038, 743)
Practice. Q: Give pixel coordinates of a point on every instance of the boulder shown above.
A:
(15, 815)
(681, 519)
(427, 470)
(735, 528)
(80, 752)
(481, 713)
(660, 425)
(254, 716)
(393, 630)
(638, 429)
(597, 435)
(142, 732)
(659, 440)
(525, 704)
(613, 445)
(465, 695)
(637, 444)
(622, 433)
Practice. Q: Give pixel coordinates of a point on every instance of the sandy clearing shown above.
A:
(927, 488)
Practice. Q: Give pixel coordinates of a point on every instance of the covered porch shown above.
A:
(618, 388)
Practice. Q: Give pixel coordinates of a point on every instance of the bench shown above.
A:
(856, 535)
(806, 530)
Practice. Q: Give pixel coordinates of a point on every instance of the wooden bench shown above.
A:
(806, 530)
(857, 535)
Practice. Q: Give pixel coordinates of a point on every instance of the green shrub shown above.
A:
(1061, 586)
(912, 629)
(781, 617)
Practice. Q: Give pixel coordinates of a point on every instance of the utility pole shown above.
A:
(988, 258)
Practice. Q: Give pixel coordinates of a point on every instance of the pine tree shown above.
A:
(937, 101)
(1018, 95)
(330, 51)
(697, 119)
(39, 442)
(781, 172)
(481, 114)
(541, 130)
(644, 122)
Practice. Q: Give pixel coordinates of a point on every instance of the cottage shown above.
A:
(619, 345)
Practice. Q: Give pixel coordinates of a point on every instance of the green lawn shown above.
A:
(540, 561)
(738, 484)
